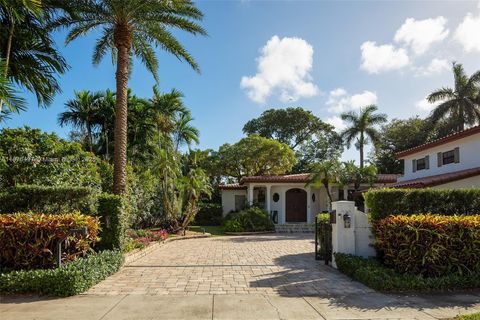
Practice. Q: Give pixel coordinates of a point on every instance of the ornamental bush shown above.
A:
(48, 200)
(429, 245)
(248, 220)
(382, 203)
(28, 240)
(70, 279)
(376, 276)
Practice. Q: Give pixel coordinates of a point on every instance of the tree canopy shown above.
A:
(254, 155)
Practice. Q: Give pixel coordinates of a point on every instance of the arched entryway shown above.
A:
(296, 205)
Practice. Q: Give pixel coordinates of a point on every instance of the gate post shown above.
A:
(343, 230)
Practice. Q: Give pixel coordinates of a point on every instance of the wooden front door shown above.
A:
(296, 205)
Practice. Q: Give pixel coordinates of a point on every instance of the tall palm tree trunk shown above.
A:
(360, 147)
(123, 44)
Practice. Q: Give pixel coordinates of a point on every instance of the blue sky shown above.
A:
(325, 56)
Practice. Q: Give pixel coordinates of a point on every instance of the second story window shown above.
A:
(451, 156)
(421, 164)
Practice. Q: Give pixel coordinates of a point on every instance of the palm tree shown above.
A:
(324, 174)
(460, 104)
(8, 96)
(105, 120)
(167, 107)
(362, 128)
(130, 28)
(82, 113)
(184, 132)
(31, 59)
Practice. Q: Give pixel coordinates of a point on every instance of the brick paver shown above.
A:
(268, 264)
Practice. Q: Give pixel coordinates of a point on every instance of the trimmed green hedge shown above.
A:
(72, 278)
(114, 218)
(48, 200)
(374, 275)
(248, 220)
(382, 203)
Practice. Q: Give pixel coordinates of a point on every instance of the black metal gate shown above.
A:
(323, 240)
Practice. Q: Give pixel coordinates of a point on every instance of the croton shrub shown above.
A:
(430, 245)
(28, 240)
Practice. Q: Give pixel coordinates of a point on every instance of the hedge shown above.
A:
(113, 212)
(382, 203)
(42, 199)
(248, 220)
(210, 214)
(72, 278)
(28, 241)
(376, 276)
(430, 245)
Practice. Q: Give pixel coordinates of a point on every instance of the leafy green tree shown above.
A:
(459, 105)
(30, 156)
(399, 135)
(83, 112)
(352, 174)
(254, 155)
(292, 126)
(130, 28)
(362, 128)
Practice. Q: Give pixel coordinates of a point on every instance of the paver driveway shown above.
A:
(267, 264)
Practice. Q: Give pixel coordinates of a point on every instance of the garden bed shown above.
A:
(373, 274)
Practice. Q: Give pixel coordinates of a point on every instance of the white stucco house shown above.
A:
(287, 198)
(449, 162)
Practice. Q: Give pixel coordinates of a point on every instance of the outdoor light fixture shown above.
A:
(77, 232)
(347, 220)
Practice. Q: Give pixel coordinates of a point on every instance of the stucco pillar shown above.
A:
(343, 238)
(309, 205)
(250, 194)
(269, 198)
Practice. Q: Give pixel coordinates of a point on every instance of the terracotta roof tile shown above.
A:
(387, 178)
(232, 186)
(438, 142)
(439, 179)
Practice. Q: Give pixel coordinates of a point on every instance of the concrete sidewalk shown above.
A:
(247, 306)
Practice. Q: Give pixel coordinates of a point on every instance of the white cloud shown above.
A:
(436, 66)
(381, 58)
(337, 123)
(283, 68)
(340, 101)
(425, 106)
(467, 33)
(420, 35)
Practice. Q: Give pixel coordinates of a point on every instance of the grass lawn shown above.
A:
(213, 230)
(473, 316)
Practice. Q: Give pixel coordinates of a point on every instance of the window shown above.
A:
(341, 195)
(448, 157)
(276, 197)
(240, 201)
(421, 164)
(451, 156)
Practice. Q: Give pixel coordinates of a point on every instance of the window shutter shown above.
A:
(456, 153)
(439, 159)
(427, 162)
(414, 165)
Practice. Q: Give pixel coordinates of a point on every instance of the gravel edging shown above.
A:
(136, 254)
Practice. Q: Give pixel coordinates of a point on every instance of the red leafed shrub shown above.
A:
(28, 241)
(431, 245)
